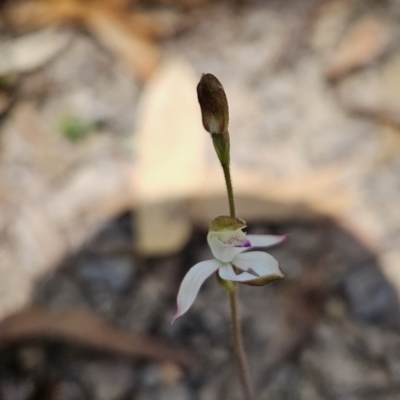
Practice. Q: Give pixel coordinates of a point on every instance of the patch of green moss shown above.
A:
(74, 128)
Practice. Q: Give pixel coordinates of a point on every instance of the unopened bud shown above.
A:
(213, 104)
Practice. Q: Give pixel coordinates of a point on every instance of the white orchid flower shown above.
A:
(228, 244)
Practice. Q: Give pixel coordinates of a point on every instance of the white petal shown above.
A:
(265, 240)
(258, 264)
(224, 252)
(226, 272)
(191, 284)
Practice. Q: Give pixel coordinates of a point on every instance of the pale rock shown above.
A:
(374, 92)
(330, 24)
(170, 158)
(33, 50)
(365, 42)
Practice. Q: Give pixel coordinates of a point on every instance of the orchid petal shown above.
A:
(265, 240)
(191, 284)
(224, 252)
(227, 272)
(258, 263)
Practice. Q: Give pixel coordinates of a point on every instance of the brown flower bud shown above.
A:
(213, 104)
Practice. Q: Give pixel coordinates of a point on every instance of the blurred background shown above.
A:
(108, 182)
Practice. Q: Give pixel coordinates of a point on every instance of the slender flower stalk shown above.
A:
(229, 189)
(241, 358)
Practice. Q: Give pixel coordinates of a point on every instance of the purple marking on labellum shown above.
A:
(245, 244)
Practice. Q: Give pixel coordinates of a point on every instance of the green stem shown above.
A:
(238, 346)
(229, 188)
(240, 354)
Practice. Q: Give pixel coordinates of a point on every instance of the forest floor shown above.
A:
(314, 92)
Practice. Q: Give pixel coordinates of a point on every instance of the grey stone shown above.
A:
(116, 272)
(371, 297)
